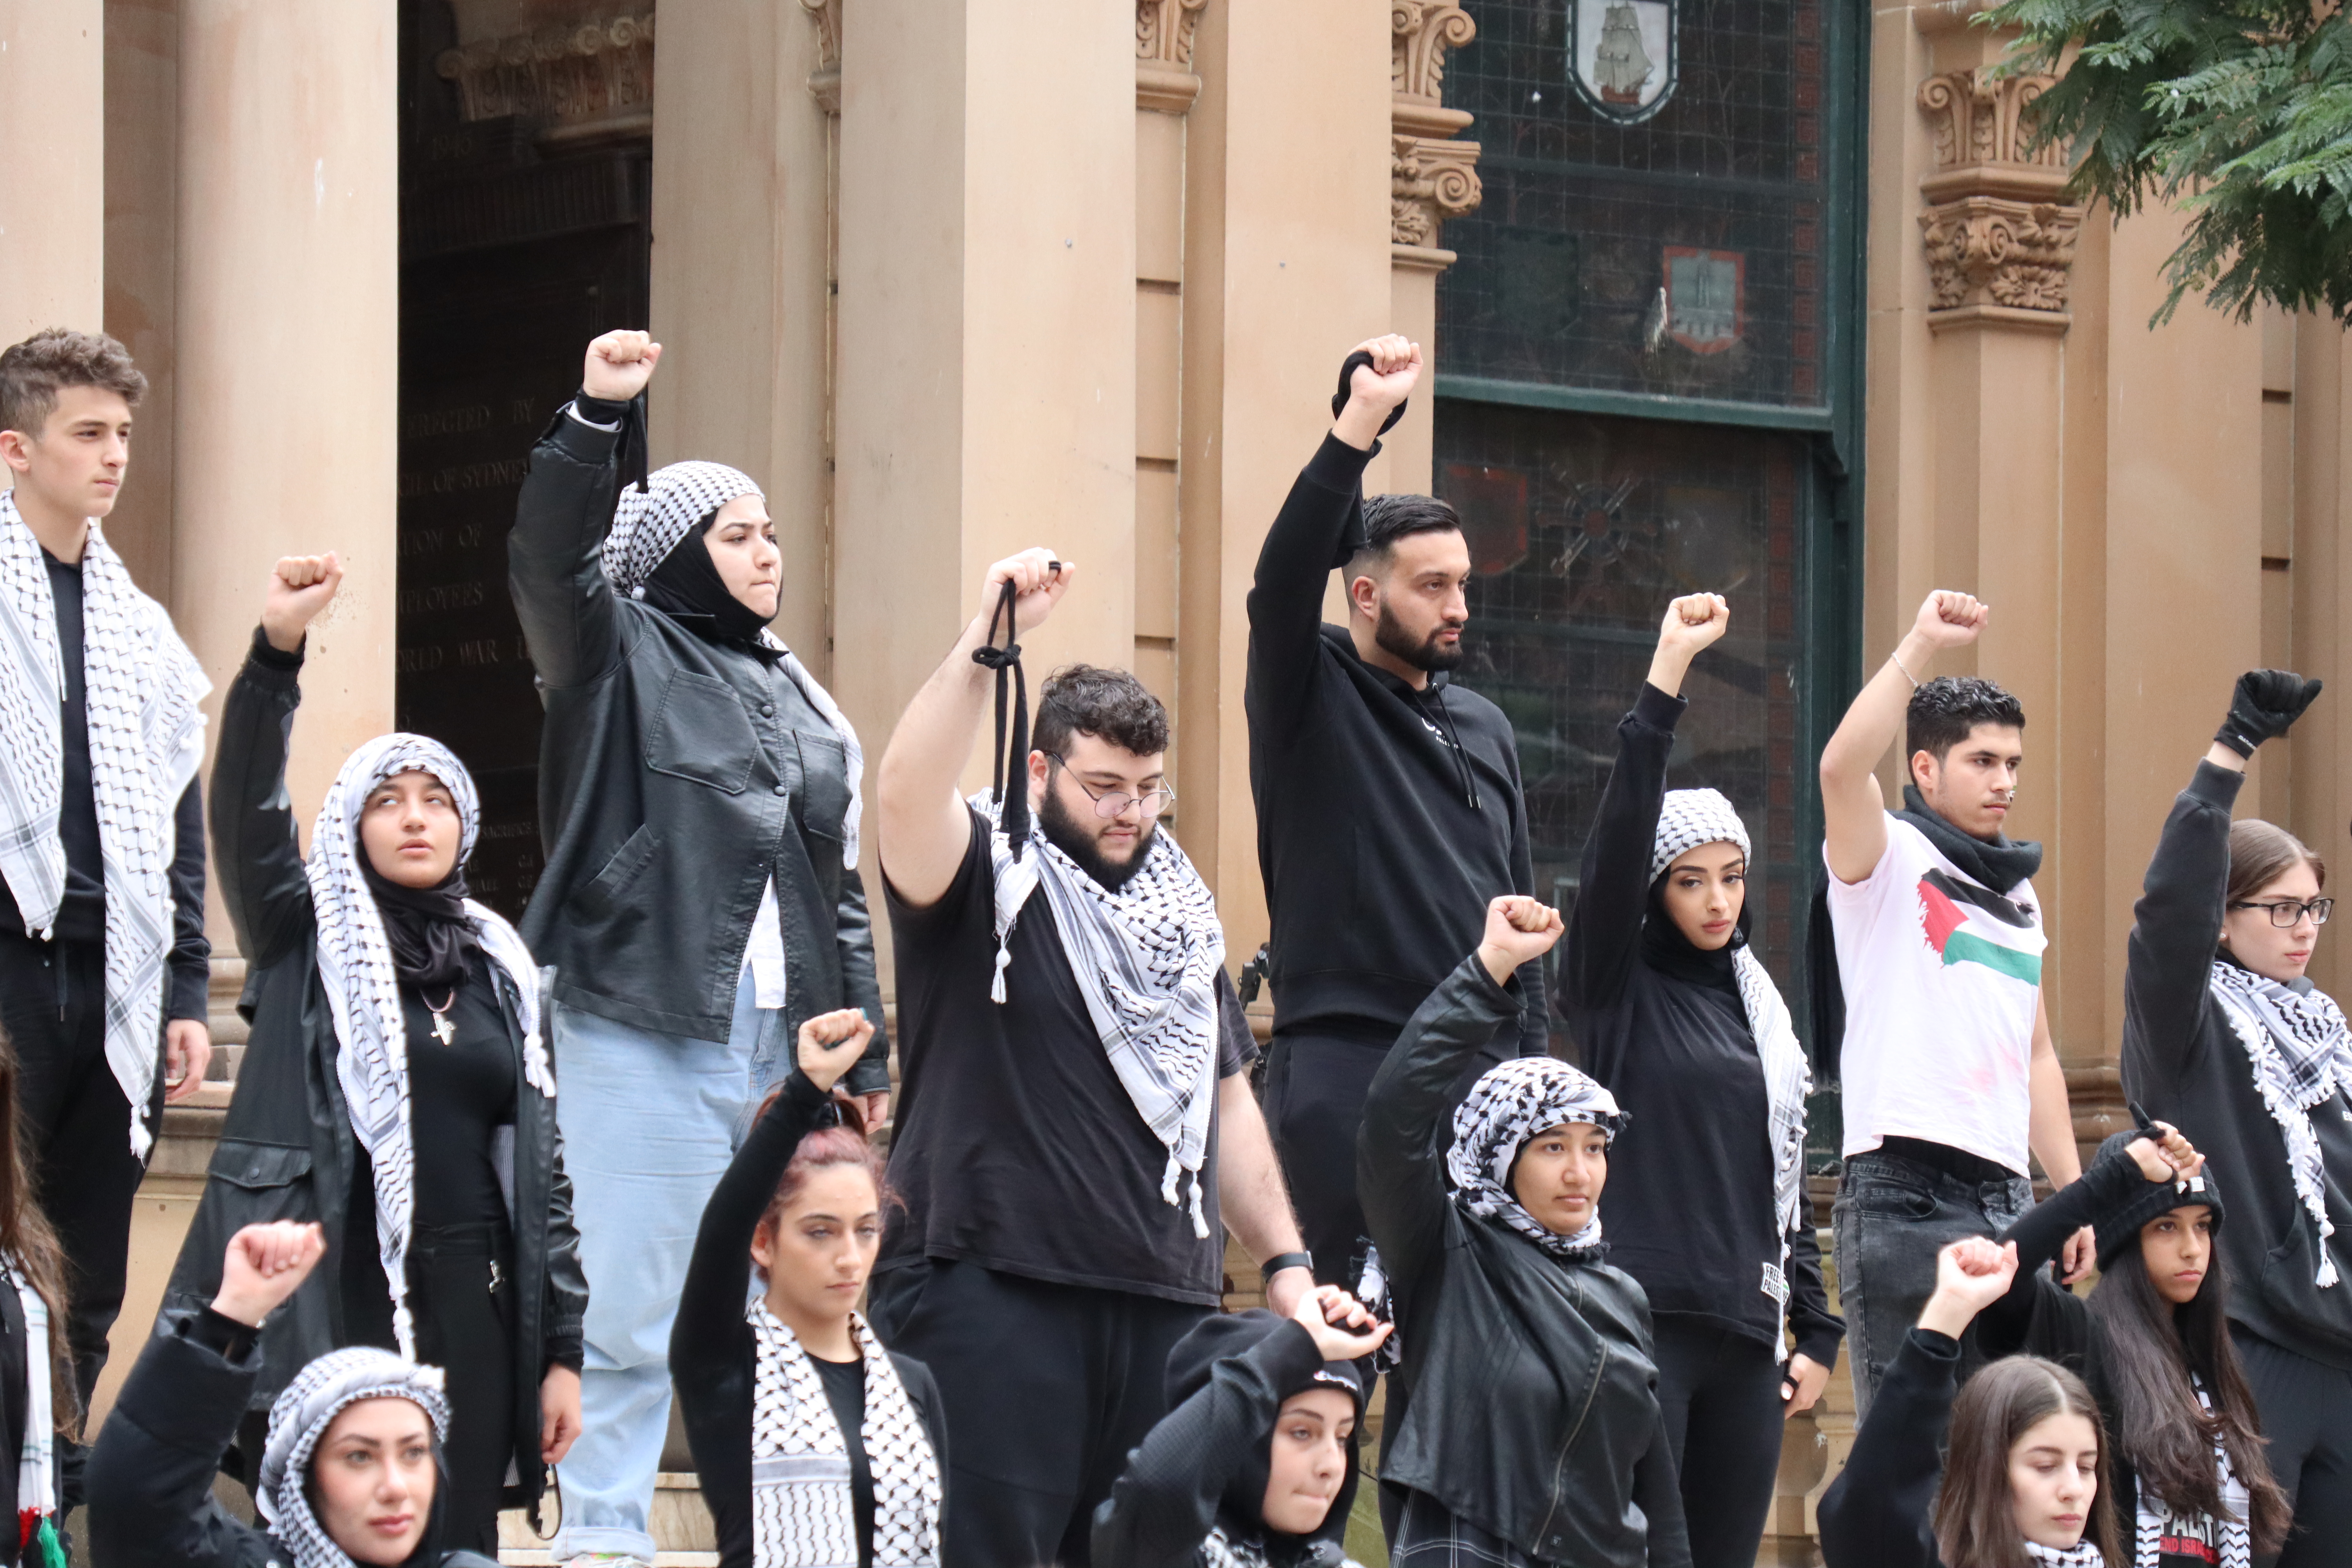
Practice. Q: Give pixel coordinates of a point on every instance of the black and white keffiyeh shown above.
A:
(2083, 1553)
(363, 988)
(1689, 819)
(1145, 956)
(2302, 1056)
(801, 1511)
(299, 1418)
(1507, 1106)
(36, 1469)
(2229, 1533)
(1222, 1551)
(140, 686)
(648, 525)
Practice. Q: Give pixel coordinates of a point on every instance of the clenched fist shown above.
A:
(619, 364)
(300, 588)
(1518, 929)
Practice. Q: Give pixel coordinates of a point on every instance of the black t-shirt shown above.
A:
(844, 1390)
(459, 1096)
(1017, 1148)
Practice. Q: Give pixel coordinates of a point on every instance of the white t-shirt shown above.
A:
(1942, 979)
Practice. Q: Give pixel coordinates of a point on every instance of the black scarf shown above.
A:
(428, 929)
(1665, 949)
(1999, 863)
(687, 588)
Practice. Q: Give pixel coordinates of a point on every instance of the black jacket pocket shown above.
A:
(701, 732)
(257, 1167)
(825, 786)
(602, 893)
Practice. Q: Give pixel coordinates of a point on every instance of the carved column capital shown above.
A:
(1432, 177)
(825, 81)
(582, 79)
(1999, 235)
(1164, 31)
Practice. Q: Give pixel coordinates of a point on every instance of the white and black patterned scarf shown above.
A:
(1688, 818)
(1222, 1551)
(2229, 1530)
(801, 1515)
(36, 1472)
(141, 689)
(648, 525)
(2302, 1056)
(1145, 957)
(364, 989)
(300, 1418)
(2083, 1553)
(1507, 1106)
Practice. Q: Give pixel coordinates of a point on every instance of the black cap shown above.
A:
(2118, 1229)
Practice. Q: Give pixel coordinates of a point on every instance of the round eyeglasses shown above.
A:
(2287, 911)
(1115, 803)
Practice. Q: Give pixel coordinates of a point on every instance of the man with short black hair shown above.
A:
(1388, 805)
(1074, 1116)
(103, 961)
(1951, 1078)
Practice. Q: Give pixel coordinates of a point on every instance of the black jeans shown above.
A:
(2307, 1410)
(1892, 1216)
(1719, 1392)
(1045, 1389)
(461, 1296)
(77, 1126)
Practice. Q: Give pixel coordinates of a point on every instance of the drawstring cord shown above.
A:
(1014, 808)
(1460, 757)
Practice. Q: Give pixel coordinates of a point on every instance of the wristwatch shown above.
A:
(1282, 1260)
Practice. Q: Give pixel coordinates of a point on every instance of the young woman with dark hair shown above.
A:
(2191, 1485)
(2024, 1480)
(397, 1087)
(1706, 1206)
(1532, 1433)
(352, 1473)
(39, 1411)
(2226, 1038)
(1254, 1464)
(815, 1447)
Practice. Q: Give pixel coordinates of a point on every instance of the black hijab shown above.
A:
(686, 587)
(428, 929)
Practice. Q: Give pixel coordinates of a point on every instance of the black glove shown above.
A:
(1348, 390)
(2267, 704)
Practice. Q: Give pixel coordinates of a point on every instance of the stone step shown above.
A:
(681, 1526)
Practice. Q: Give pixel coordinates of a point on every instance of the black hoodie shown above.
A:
(1206, 1463)
(1387, 817)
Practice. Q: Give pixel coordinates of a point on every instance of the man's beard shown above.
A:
(1428, 654)
(1066, 833)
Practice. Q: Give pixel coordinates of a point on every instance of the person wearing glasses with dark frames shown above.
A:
(2226, 1038)
(1076, 1124)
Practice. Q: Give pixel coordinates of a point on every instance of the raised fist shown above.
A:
(1950, 619)
(831, 1043)
(618, 365)
(2265, 705)
(264, 1265)
(1693, 622)
(1518, 929)
(1342, 1330)
(1039, 580)
(300, 588)
(1390, 379)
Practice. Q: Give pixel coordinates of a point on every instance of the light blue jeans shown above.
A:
(649, 1123)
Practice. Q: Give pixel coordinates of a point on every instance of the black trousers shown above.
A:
(462, 1299)
(2307, 1410)
(77, 1126)
(1720, 1393)
(1045, 1389)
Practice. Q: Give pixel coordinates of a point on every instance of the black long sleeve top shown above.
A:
(712, 1354)
(2186, 1064)
(1163, 1505)
(81, 914)
(1689, 1209)
(1879, 1512)
(1387, 817)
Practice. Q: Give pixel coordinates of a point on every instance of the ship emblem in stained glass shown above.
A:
(1623, 56)
(1705, 298)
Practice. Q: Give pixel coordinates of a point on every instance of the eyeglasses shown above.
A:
(1115, 802)
(2287, 911)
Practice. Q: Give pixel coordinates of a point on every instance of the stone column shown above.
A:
(143, 160)
(987, 323)
(53, 177)
(288, 306)
(742, 269)
(1165, 89)
(1432, 177)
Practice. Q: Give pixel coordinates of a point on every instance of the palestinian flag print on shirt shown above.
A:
(1969, 924)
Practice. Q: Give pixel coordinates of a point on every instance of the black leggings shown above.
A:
(2307, 1410)
(1721, 1395)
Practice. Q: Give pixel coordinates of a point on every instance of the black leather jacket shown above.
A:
(287, 1150)
(1532, 1405)
(672, 786)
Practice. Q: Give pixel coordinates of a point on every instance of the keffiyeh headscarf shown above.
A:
(2083, 1553)
(1145, 957)
(299, 1418)
(362, 985)
(802, 1514)
(2302, 1056)
(141, 688)
(1689, 819)
(648, 524)
(1509, 1105)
